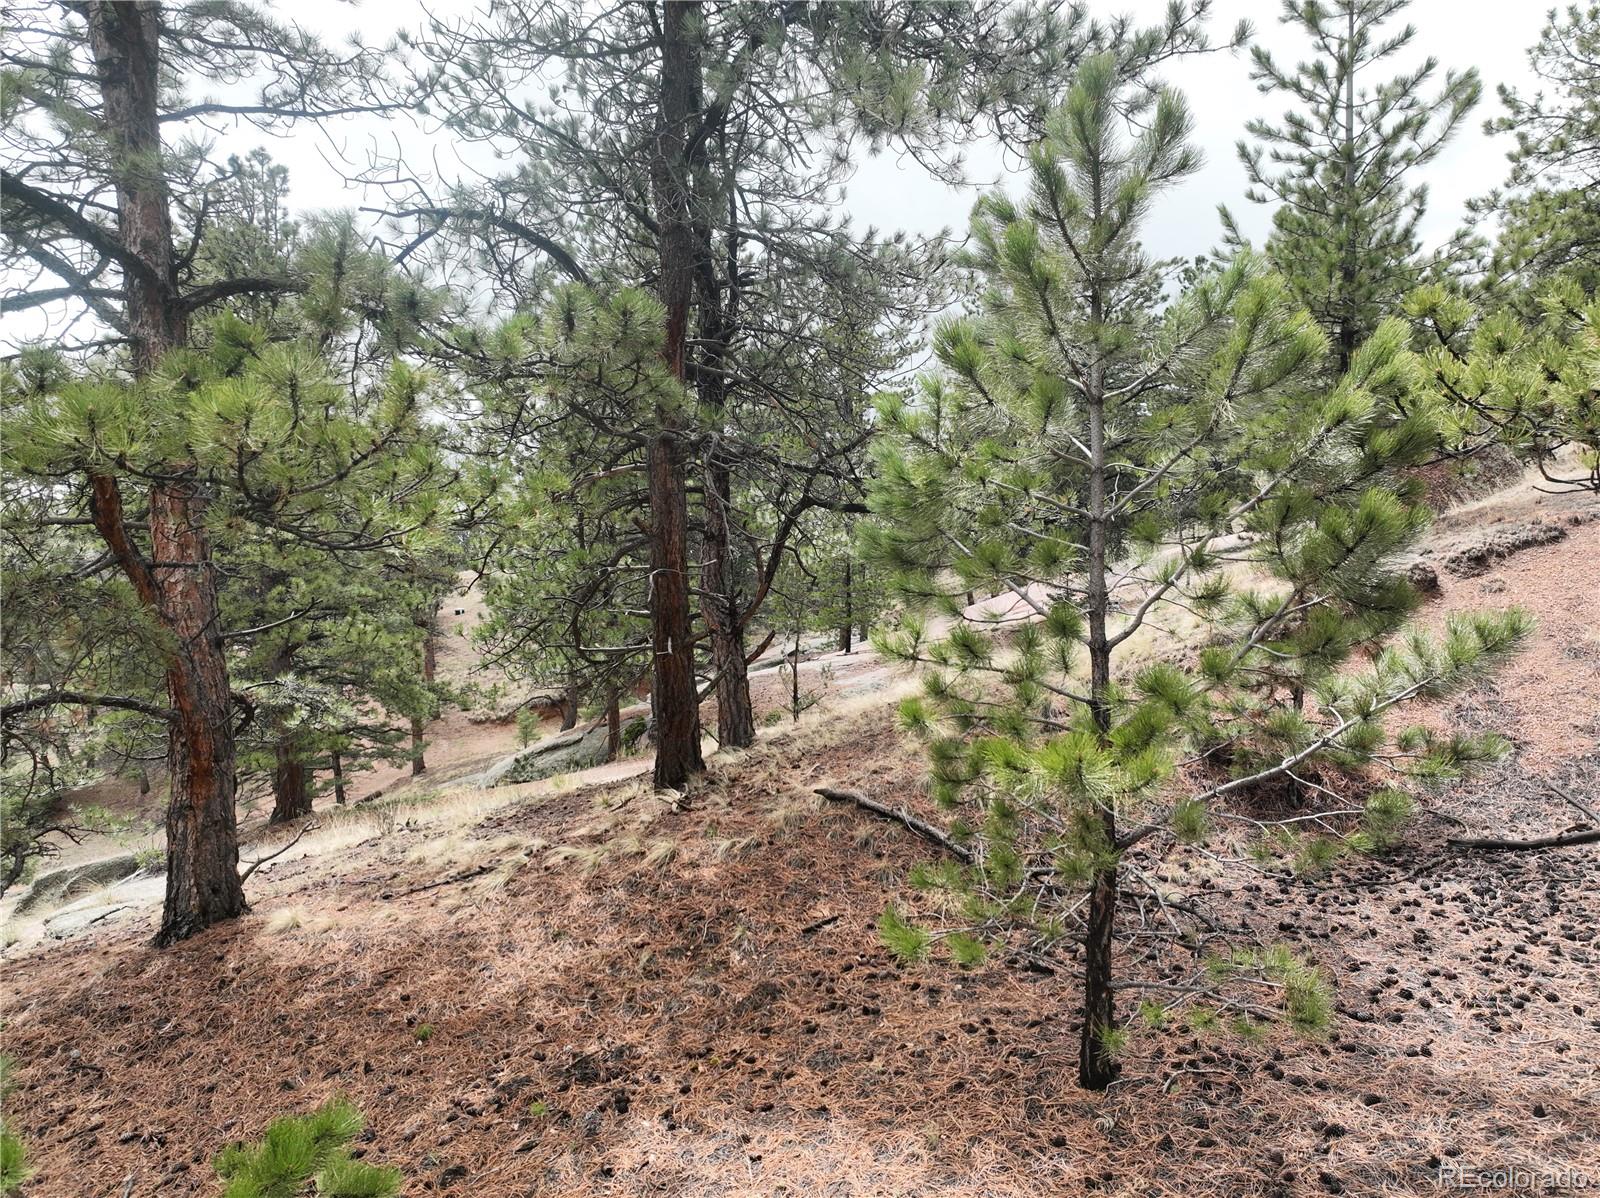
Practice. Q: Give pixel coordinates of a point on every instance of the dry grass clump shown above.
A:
(457, 850)
(297, 919)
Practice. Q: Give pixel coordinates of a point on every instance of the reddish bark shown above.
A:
(203, 884)
(673, 694)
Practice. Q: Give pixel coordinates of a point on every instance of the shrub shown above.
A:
(307, 1149)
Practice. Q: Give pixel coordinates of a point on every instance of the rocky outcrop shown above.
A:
(562, 754)
(1477, 558)
(60, 886)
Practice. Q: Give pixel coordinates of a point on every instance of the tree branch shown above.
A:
(900, 815)
(82, 699)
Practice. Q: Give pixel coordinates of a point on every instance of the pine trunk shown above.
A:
(794, 678)
(846, 625)
(1097, 1066)
(719, 602)
(291, 783)
(613, 725)
(736, 720)
(338, 780)
(178, 582)
(569, 708)
(419, 762)
(203, 884)
(1348, 266)
(419, 758)
(673, 691)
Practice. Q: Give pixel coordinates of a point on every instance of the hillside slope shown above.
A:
(569, 990)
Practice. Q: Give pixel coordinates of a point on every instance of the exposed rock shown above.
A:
(61, 885)
(75, 919)
(562, 754)
(1474, 559)
(1424, 577)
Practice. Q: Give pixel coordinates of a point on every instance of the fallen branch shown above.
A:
(450, 881)
(104, 915)
(310, 825)
(1501, 844)
(826, 921)
(1594, 820)
(920, 826)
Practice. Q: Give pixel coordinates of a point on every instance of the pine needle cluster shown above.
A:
(298, 1151)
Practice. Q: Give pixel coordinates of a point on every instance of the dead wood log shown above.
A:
(1503, 844)
(900, 815)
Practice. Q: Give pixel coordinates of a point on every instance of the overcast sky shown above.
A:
(1488, 34)
(891, 193)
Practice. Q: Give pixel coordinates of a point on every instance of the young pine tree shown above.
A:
(1532, 385)
(304, 1151)
(1549, 214)
(1341, 166)
(1102, 463)
(104, 185)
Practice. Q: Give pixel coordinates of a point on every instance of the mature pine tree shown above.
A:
(690, 148)
(1341, 168)
(559, 400)
(89, 192)
(281, 450)
(1101, 461)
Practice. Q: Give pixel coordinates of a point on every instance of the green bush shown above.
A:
(305, 1149)
(13, 1164)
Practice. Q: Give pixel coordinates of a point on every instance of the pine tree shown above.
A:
(310, 1150)
(560, 397)
(336, 668)
(1100, 461)
(1549, 210)
(1530, 384)
(1340, 168)
(693, 146)
(90, 192)
(280, 448)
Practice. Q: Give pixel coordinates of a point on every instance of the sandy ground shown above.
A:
(580, 988)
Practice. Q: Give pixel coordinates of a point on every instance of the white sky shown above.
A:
(1488, 34)
(890, 193)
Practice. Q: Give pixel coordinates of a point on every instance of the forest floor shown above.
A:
(579, 987)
